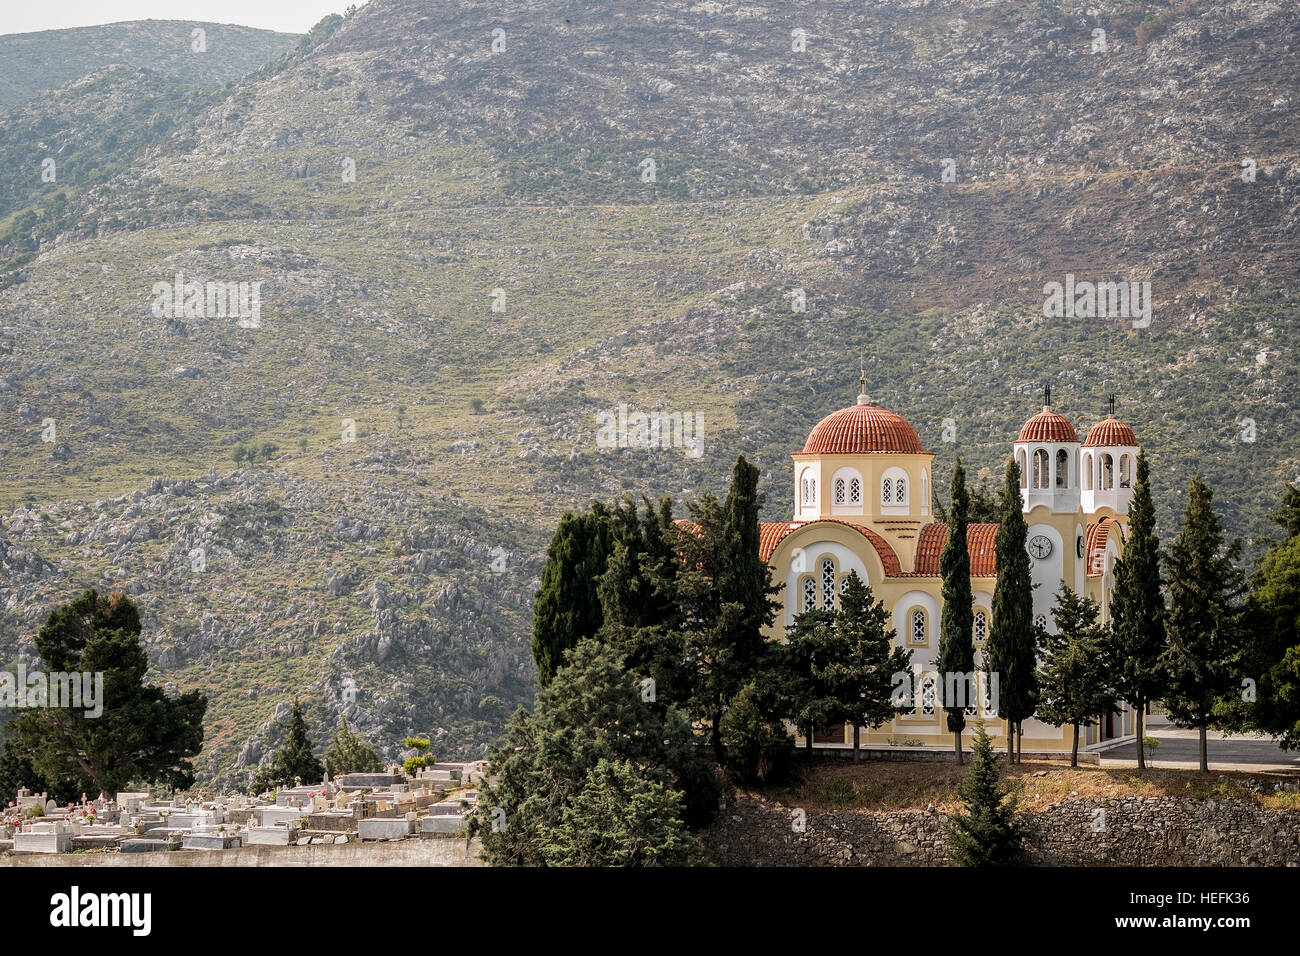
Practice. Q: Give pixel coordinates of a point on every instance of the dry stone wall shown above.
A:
(1129, 831)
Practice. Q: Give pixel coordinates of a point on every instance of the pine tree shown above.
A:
(1136, 637)
(140, 734)
(956, 662)
(1074, 677)
(861, 673)
(593, 710)
(1274, 649)
(568, 607)
(987, 833)
(1204, 630)
(294, 762)
(349, 752)
(1011, 648)
(759, 748)
(807, 680)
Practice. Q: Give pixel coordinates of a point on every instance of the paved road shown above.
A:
(1181, 748)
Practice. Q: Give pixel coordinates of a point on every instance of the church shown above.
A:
(862, 495)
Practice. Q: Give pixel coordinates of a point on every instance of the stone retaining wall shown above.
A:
(1128, 831)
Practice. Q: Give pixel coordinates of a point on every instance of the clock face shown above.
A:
(1040, 546)
(1078, 545)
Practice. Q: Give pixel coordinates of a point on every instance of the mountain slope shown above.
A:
(31, 63)
(522, 171)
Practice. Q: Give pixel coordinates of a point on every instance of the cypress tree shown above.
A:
(1075, 675)
(1011, 650)
(987, 833)
(1204, 630)
(1136, 637)
(568, 605)
(956, 661)
(725, 593)
(294, 760)
(639, 599)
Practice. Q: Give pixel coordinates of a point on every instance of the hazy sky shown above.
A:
(289, 16)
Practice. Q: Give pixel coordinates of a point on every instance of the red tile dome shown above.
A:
(1110, 431)
(1048, 426)
(864, 428)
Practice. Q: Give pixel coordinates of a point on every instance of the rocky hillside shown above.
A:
(425, 161)
(31, 63)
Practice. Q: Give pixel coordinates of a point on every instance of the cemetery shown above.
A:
(351, 808)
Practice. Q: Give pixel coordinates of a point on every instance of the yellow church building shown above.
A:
(862, 493)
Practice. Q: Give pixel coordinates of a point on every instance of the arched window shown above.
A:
(844, 584)
(1024, 471)
(925, 492)
(841, 491)
(809, 487)
(900, 490)
(1107, 473)
(1041, 469)
(918, 626)
(808, 600)
(927, 695)
(886, 492)
(981, 626)
(1087, 472)
(828, 584)
(1041, 621)
(855, 492)
(986, 691)
(1062, 468)
(1125, 476)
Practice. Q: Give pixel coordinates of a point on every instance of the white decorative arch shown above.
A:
(1041, 464)
(808, 490)
(806, 564)
(899, 497)
(847, 492)
(1023, 464)
(1087, 471)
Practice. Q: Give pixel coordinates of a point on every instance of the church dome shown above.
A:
(1047, 425)
(1110, 431)
(864, 428)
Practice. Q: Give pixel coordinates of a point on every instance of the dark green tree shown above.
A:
(1274, 619)
(1011, 648)
(140, 736)
(1205, 617)
(1136, 637)
(807, 680)
(294, 762)
(619, 818)
(592, 710)
(725, 597)
(987, 833)
(759, 748)
(349, 752)
(1075, 676)
(861, 671)
(568, 607)
(639, 599)
(956, 662)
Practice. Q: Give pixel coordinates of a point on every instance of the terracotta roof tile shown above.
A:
(1110, 431)
(771, 535)
(979, 545)
(863, 429)
(1047, 425)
